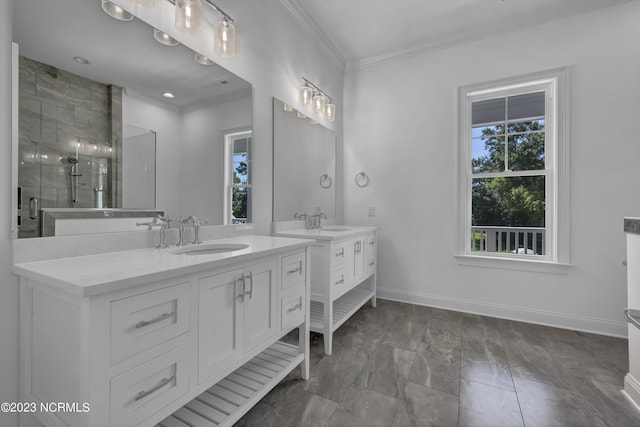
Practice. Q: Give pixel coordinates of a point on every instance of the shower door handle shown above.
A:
(33, 208)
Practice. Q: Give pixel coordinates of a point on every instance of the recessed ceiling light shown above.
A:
(168, 95)
(115, 11)
(202, 60)
(164, 38)
(81, 60)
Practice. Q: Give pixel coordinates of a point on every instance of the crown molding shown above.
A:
(308, 23)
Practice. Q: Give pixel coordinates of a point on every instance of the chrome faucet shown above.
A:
(316, 220)
(303, 216)
(195, 223)
(164, 222)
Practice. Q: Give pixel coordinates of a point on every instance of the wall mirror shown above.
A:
(113, 114)
(304, 165)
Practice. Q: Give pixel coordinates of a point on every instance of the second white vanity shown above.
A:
(147, 336)
(343, 273)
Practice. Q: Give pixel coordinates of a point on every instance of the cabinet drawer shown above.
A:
(338, 254)
(371, 244)
(294, 270)
(293, 309)
(143, 321)
(148, 388)
(371, 264)
(338, 279)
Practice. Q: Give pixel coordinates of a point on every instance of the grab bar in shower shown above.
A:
(633, 317)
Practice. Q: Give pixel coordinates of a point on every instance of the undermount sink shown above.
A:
(335, 229)
(209, 248)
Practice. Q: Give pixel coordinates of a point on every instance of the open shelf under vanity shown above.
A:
(229, 399)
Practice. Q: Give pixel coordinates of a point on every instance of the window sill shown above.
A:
(534, 266)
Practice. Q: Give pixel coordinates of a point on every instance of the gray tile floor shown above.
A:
(405, 365)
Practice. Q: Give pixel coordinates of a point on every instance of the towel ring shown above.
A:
(325, 181)
(362, 179)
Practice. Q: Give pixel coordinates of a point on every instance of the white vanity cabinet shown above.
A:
(200, 346)
(343, 276)
(236, 312)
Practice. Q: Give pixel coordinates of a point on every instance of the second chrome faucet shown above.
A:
(193, 222)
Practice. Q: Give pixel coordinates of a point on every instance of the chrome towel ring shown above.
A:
(325, 181)
(362, 179)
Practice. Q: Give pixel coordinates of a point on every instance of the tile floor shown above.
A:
(405, 365)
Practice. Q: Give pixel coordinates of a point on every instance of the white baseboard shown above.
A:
(559, 320)
(632, 390)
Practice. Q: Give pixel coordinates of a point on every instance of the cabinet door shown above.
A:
(260, 304)
(356, 263)
(220, 322)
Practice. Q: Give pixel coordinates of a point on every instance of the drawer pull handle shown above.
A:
(340, 254)
(296, 270)
(163, 316)
(341, 281)
(633, 317)
(250, 293)
(371, 264)
(372, 242)
(298, 306)
(162, 383)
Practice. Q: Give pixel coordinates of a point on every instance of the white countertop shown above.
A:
(106, 272)
(333, 232)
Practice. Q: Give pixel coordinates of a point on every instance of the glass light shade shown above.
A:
(115, 11)
(306, 94)
(189, 16)
(164, 38)
(301, 115)
(288, 108)
(330, 111)
(224, 38)
(144, 3)
(319, 101)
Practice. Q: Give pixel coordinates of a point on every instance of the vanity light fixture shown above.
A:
(288, 108)
(115, 11)
(301, 115)
(164, 38)
(310, 94)
(189, 17)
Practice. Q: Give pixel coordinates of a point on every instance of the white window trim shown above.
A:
(229, 139)
(557, 258)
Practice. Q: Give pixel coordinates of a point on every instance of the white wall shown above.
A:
(400, 128)
(202, 172)
(165, 120)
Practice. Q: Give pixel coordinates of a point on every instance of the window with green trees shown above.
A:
(509, 141)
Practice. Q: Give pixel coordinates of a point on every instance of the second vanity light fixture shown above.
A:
(188, 20)
(189, 17)
(311, 95)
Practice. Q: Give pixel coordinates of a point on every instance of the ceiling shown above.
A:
(359, 32)
(121, 53)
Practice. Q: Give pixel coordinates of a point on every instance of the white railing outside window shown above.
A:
(508, 240)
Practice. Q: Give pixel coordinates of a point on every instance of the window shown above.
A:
(513, 168)
(237, 203)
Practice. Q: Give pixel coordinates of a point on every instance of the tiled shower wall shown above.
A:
(61, 114)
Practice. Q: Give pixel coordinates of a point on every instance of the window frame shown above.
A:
(229, 140)
(554, 83)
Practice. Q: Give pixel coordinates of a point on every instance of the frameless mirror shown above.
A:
(304, 165)
(95, 131)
